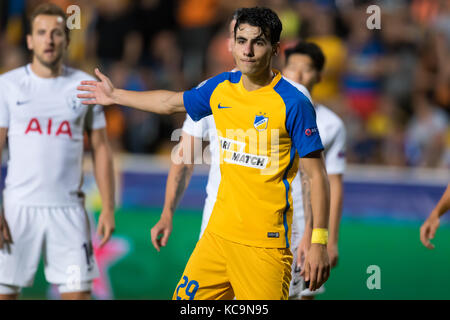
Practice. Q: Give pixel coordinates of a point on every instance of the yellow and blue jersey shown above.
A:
(261, 134)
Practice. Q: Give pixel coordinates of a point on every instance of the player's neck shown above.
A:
(44, 71)
(254, 82)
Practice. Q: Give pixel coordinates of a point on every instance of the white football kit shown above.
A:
(333, 135)
(43, 200)
(205, 129)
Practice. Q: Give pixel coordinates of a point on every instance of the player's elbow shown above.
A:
(173, 103)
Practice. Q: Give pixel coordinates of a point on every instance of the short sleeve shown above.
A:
(4, 109)
(197, 100)
(335, 159)
(95, 118)
(193, 128)
(302, 127)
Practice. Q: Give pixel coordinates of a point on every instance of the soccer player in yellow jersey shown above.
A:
(264, 124)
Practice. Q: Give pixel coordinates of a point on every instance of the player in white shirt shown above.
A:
(304, 64)
(43, 209)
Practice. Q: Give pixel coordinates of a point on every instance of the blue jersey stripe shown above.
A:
(300, 119)
(197, 100)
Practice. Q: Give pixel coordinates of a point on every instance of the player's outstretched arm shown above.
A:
(430, 226)
(317, 266)
(104, 176)
(177, 181)
(103, 92)
(5, 234)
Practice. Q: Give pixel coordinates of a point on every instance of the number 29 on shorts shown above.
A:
(190, 288)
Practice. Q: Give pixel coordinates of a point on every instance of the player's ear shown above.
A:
(276, 49)
(318, 77)
(29, 42)
(67, 33)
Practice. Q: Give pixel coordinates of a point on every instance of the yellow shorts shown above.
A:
(219, 269)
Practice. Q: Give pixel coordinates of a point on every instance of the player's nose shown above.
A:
(248, 50)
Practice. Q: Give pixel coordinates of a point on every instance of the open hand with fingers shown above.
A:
(98, 92)
(428, 230)
(316, 267)
(160, 233)
(106, 226)
(302, 250)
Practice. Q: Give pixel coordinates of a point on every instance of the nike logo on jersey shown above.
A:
(222, 107)
(19, 103)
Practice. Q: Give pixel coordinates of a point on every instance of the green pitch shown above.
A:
(407, 269)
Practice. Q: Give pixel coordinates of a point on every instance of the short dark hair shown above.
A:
(49, 9)
(310, 49)
(261, 17)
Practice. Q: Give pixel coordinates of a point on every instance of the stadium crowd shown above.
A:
(391, 85)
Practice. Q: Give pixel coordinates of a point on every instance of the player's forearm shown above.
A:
(104, 176)
(443, 205)
(336, 196)
(157, 101)
(306, 198)
(320, 198)
(177, 182)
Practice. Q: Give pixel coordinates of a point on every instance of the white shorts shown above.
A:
(61, 234)
(297, 286)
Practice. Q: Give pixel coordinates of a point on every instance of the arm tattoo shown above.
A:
(306, 195)
(181, 182)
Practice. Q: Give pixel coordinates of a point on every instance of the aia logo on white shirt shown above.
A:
(36, 127)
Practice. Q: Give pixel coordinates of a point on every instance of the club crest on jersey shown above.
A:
(261, 122)
(73, 102)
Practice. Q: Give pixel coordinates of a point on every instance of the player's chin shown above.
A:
(249, 70)
(50, 60)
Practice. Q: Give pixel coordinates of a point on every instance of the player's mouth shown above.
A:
(248, 61)
(49, 51)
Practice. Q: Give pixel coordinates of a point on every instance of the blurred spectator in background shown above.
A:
(324, 35)
(196, 19)
(425, 133)
(390, 86)
(114, 26)
(363, 70)
(219, 58)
